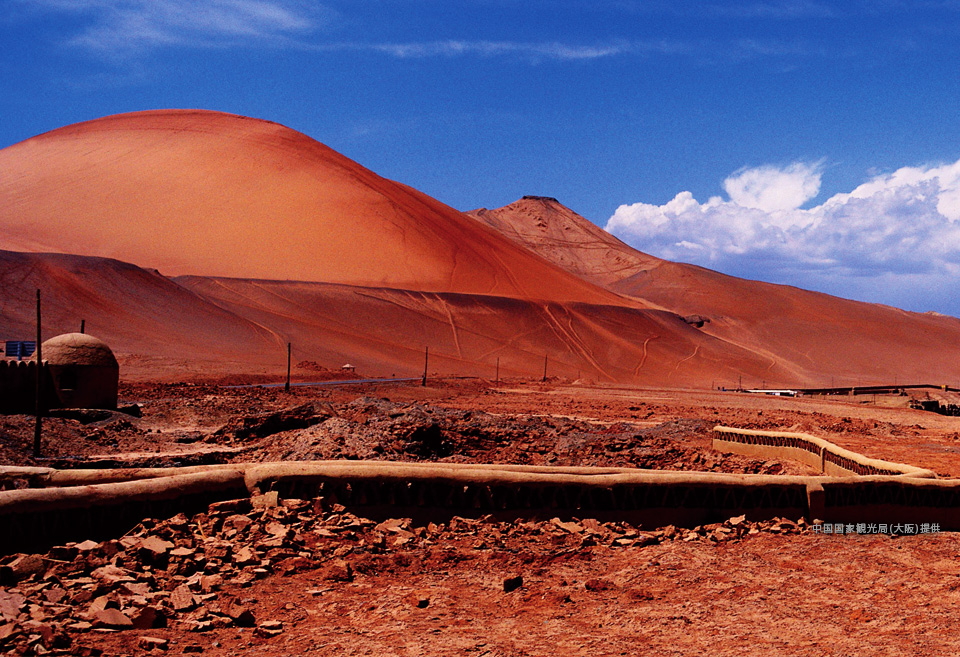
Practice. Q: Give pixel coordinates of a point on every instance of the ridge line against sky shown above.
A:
(823, 135)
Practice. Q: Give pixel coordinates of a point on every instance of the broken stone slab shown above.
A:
(148, 618)
(269, 628)
(268, 500)
(209, 583)
(24, 566)
(737, 521)
(153, 643)
(237, 521)
(569, 527)
(182, 599)
(337, 570)
(112, 618)
(245, 556)
(9, 631)
(241, 614)
(154, 548)
(67, 552)
(100, 603)
(134, 589)
(10, 604)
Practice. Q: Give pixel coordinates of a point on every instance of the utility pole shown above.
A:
(426, 359)
(38, 428)
(286, 388)
(544, 368)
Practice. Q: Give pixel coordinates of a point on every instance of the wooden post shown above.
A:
(38, 427)
(286, 388)
(83, 326)
(426, 359)
(544, 368)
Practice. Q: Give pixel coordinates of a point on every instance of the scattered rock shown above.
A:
(512, 583)
(241, 614)
(270, 628)
(338, 570)
(111, 617)
(266, 501)
(25, 565)
(154, 548)
(182, 598)
(148, 618)
(153, 643)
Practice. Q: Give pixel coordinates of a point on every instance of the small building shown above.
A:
(84, 371)
(80, 371)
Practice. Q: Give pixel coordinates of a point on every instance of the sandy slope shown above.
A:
(138, 312)
(386, 330)
(203, 327)
(818, 337)
(197, 192)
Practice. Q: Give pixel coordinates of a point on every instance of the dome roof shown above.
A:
(78, 349)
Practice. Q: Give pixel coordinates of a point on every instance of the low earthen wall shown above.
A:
(814, 451)
(74, 505)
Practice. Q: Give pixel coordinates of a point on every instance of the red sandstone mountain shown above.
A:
(368, 271)
(818, 338)
(198, 192)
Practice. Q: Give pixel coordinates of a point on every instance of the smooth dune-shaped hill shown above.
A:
(208, 328)
(821, 339)
(199, 192)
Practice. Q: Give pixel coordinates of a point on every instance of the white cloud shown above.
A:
(770, 188)
(532, 50)
(129, 26)
(903, 224)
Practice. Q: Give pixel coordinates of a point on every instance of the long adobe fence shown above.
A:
(63, 505)
(815, 452)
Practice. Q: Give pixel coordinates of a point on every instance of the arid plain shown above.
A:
(198, 245)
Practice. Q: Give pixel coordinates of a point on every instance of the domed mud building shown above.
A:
(83, 370)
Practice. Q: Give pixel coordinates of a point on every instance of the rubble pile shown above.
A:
(370, 428)
(192, 573)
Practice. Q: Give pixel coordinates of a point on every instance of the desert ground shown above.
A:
(289, 577)
(205, 249)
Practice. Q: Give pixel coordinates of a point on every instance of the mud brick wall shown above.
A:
(816, 452)
(81, 504)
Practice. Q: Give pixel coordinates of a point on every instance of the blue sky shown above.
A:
(801, 142)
